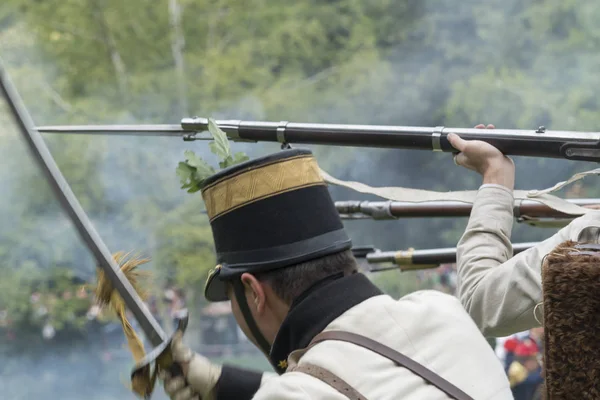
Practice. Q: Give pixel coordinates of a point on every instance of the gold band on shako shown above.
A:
(248, 186)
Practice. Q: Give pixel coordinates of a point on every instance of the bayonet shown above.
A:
(119, 130)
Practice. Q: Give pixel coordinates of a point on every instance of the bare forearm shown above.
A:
(502, 173)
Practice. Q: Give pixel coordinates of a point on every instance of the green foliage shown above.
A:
(185, 251)
(195, 170)
(219, 146)
(32, 300)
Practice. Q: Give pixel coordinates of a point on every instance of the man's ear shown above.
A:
(254, 292)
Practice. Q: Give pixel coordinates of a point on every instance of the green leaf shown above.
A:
(184, 172)
(226, 162)
(237, 158)
(194, 189)
(192, 159)
(203, 170)
(195, 170)
(220, 146)
(240, 157)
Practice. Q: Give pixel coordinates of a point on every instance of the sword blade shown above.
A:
(73, 208)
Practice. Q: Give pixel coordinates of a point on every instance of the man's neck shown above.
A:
(316, 308)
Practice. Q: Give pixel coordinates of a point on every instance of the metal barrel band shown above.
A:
(436, 138)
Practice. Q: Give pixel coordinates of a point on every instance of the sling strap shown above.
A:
(330, 379)
(393, 355)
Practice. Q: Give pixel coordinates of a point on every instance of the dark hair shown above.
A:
(290, 282)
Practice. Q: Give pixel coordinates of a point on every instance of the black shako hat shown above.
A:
(268, 213)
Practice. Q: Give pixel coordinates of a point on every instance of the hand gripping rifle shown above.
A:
(160, 356)
(411, 259)
(583, 146)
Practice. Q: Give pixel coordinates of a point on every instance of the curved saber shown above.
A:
(71, 205)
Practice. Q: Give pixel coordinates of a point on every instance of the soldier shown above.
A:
(502, 294)
(286, 265)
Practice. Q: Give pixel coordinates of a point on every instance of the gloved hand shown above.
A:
(200, 373)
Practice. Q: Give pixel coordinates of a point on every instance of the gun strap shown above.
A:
(330, 379)
(398, 358)
(468, 196)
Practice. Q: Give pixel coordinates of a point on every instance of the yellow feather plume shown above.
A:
(108, 297)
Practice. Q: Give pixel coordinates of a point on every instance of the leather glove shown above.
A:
(200, 373)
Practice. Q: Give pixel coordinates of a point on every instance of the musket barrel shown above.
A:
(583, 146)
(536, 209)
(428, 257)
(432, 209)
(385, 210)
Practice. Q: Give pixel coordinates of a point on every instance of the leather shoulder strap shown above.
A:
(398, 358)
(329, 378)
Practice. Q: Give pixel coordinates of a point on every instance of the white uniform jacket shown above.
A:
(503, 295)
(430, 327)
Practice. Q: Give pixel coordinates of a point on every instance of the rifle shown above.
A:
(570, 145)
(528, 211)
(536, 143)
(409, 260)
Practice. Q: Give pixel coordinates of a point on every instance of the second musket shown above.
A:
(571, 145)
(412, 259)
(386, 210)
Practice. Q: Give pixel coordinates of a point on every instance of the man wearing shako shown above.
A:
(284, 261)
